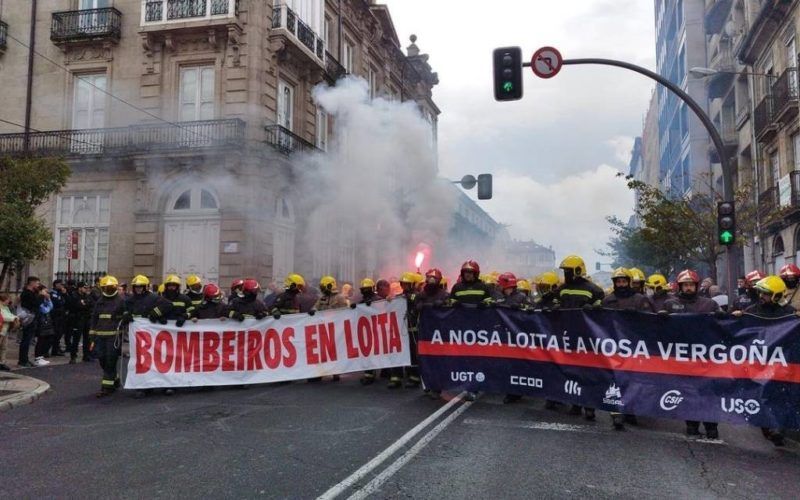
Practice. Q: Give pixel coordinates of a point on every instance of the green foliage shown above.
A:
(26, 184)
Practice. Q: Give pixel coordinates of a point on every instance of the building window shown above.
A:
(89, 104)
(322, 129)
(372, 77)
(87, 217)
(778, 255)
(796, 150)
(774, 168)
(285, 115)
(347, 57)
(197, 93)
(195, 199)
(326, 32)
(158, 11)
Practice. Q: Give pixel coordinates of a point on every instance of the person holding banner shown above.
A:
(688, 301)
(368, 296)
(288, 302)
(211, 306)
(510, 294)
(546, 291)
(143, 303)
(432, 295)
(246, 306)
(657, 291)
(790, 274)
(409, 282)
(194, 289)
(750, 295)
(236, 289)
(108, 313)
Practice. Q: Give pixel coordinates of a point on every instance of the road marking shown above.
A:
(398, 464)
(365, 469)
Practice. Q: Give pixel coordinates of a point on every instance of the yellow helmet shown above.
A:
(367, 283)
(523, 285)
(408, 277)
(294, 280)
(328, 283)
(772, 285)
(489, 279)
(172, 279)
(575, 264)
(656, 282)
(108, 285)
(637, 276)
(549, 278)
(140, 280)
(418, 278)
(192, 280)
(621, 272)
(161, 289)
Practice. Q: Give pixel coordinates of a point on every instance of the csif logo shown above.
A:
(740, 406)
(670, 400)
(572, 387)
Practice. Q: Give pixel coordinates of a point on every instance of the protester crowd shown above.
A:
(74, 317)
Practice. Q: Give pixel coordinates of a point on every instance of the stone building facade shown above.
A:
(182, 120)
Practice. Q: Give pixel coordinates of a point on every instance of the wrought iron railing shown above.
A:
(284, 17)
(722, 60)
(743, 113)
(784, 90)
(87, 277)
(86, 24)
(333, 70)
(155, 10)
(762, 116)
(3, 34)
(286, 141)
(134, 139)
(768, 203)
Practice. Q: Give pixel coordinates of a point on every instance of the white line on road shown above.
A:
(365, 469)
(398, 464)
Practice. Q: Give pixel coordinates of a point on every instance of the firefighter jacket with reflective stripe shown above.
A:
(515, 300)
(792, 298)
(196, 298)
(628, 301)
(690, 304)
(106, 315)
(547, 300)
(211, 310)
(249, 307)
(333, 301)
(579, 293)
(469, 293)
(179, 306)
(141, 306)
(428, 297)
(287, 303)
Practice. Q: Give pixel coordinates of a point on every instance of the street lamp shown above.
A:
(701, 72)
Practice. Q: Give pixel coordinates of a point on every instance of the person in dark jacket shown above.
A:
(142, 303)
(180, 306)
(248, 305)
(30, 300)
(58, 296)
(107, 315)
(212, 306)
(80, 307)
(470, 290)
(750, 295)
(288, 302)
(46, 329)
(546, 291)
(194, 289)
(657, 290)
(624, 297)
(368, 296)
(510, 295)
(688, 301)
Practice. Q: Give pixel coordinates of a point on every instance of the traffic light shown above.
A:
(485, 187)
(726, 222)
(508, 74)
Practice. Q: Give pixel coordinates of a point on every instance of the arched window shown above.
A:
(194, 199)
(191, 233)
(778, 254)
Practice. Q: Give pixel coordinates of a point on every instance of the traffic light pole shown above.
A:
(727, 174)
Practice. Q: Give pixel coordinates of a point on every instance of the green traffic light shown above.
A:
(726, 237)
(508, 86)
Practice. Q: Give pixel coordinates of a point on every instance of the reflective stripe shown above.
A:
(105, 332)
(581, 293)
(470, 292)
(157, 311)
(104, 316)
(107, 383)
(179, 304)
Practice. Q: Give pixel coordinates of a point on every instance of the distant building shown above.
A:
(636, 170)
(528, 259)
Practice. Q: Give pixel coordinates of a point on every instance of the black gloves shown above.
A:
(260, 315)
(237, 316)
(312, 312)
(720, 314)
(180, 321)
(354, 305)
(276, 315)
(127, 317)
(154, 318)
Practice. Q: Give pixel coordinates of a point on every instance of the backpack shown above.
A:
(25, 316)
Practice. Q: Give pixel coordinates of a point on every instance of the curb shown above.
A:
(25, 396)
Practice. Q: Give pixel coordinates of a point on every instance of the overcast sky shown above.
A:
(555, 153)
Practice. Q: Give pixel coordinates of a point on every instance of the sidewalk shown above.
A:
(12, 355)
(17, 390)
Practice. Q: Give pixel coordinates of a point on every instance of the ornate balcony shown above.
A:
(86, 25)
(763, 120)
(794, 179)
(290, 34)
(131, 140)
(3, 34)
(287, 142)
(768, 203)
(722, 60)
(333, 70)
(170, 11)
(785, 94)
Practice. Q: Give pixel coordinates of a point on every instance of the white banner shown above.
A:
(297, 346)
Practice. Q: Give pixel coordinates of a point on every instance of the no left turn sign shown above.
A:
(546, 62)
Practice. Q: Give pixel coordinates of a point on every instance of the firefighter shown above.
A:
(578, 292)
(445, 284)
(657, 290)
(108, 313)
(689, 301)
(790, 274)
(750, 295)
(771, 292)
(330, 298)
(490, 280)
(546, 291)
(194, 289)
(236, 289)
(432, 295)
(248, 306)
(368, 296)
(409, 283)
(143, 303)
(637, 280)
(524, 286)
(383, 289)
(211, 307)
(288, 302)
(624, 296)
(510, 294)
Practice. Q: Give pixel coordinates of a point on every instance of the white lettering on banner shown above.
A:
(296, 346)
(670, 400)
(467, 376)
(756, 353)
(572, 387)
(740, 406)
(526, 381)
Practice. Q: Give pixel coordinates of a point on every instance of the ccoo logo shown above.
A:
(670, 400)
(740, 406)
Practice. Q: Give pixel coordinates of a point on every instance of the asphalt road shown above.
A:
(304, 440)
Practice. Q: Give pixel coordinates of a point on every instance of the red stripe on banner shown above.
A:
(656, 364)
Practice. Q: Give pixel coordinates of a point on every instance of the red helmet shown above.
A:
(687, 276)
(237, 283)
(471, 265)
(507, 280)
(752, 278)
(211, 291)
(251, 286)
(789, 271)
(435, 274)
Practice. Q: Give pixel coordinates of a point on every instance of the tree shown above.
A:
(26, 183)
(676, 231)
